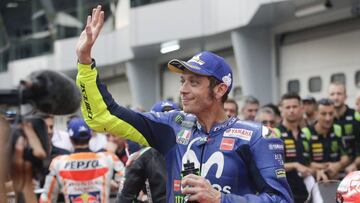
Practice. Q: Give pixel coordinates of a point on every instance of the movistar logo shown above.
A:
(216, 158)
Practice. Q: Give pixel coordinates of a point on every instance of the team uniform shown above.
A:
(296, 150)
(325, 149)
(83, 177)
(238, 158)
(349, 129)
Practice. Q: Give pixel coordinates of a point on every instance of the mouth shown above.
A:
(185, 101)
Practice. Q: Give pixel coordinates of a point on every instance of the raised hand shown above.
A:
(89, 35)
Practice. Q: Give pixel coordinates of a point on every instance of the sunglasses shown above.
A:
(265, 122)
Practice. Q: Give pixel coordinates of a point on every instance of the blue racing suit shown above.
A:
(240, 159)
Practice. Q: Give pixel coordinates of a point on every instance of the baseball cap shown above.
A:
(309, 99)
(78, 129)
(163, 106)
(205, 63)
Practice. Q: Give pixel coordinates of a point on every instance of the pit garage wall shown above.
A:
(321, 53)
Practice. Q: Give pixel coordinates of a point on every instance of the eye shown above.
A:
(182, 81)
(194, 82)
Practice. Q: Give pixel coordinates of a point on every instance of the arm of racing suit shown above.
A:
(263, 157)
(51, 185)
(103, 114)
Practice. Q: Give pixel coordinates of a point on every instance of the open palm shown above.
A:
(89, 34)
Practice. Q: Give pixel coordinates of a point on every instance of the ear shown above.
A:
(220, 90)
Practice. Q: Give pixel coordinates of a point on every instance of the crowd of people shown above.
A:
(205, 149)
(321, 138)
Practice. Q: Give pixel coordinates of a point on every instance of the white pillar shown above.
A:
(252, 50)
(143, 76)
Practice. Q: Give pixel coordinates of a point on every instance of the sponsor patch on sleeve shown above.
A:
(280, 173)
(183, 136)
(177, 185)
(240, 133)
(227, 144)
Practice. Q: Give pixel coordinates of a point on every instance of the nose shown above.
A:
(328, 118)
(184, 88)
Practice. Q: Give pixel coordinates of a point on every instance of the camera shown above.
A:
(46, 91)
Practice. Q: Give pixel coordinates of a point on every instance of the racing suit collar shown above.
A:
(78, 150)
(217, 127)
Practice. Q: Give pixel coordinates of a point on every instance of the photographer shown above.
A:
(20, 170)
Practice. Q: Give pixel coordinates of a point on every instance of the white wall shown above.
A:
(110, 48)
(5, 80)
(19, 69)
(188, 19)
(322, 57)
(120, 90)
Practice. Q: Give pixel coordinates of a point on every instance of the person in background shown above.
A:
(355, 165)
(231, 108)
(250, 108)
(140, 175)
(266, 116)
(276, 111)
(164, 106)
(49, 121)
(297, 158)
(82, 176)
(327, 152)
(310, 110)
(121, 147)
(16, 173)
(98, 142)
(357, 102)
(348, 121)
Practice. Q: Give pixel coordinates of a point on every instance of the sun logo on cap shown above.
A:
(196, 59)
(82, 129)
(227, 80)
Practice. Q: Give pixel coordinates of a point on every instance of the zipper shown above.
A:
(202, 153)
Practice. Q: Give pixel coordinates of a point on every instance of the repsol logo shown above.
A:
(86, 100)
(82, 164)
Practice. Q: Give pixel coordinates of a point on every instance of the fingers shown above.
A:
(193, 176)
(96, 15)
(194, 181)
(101, 20)
(191, 190)
(88, 21)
